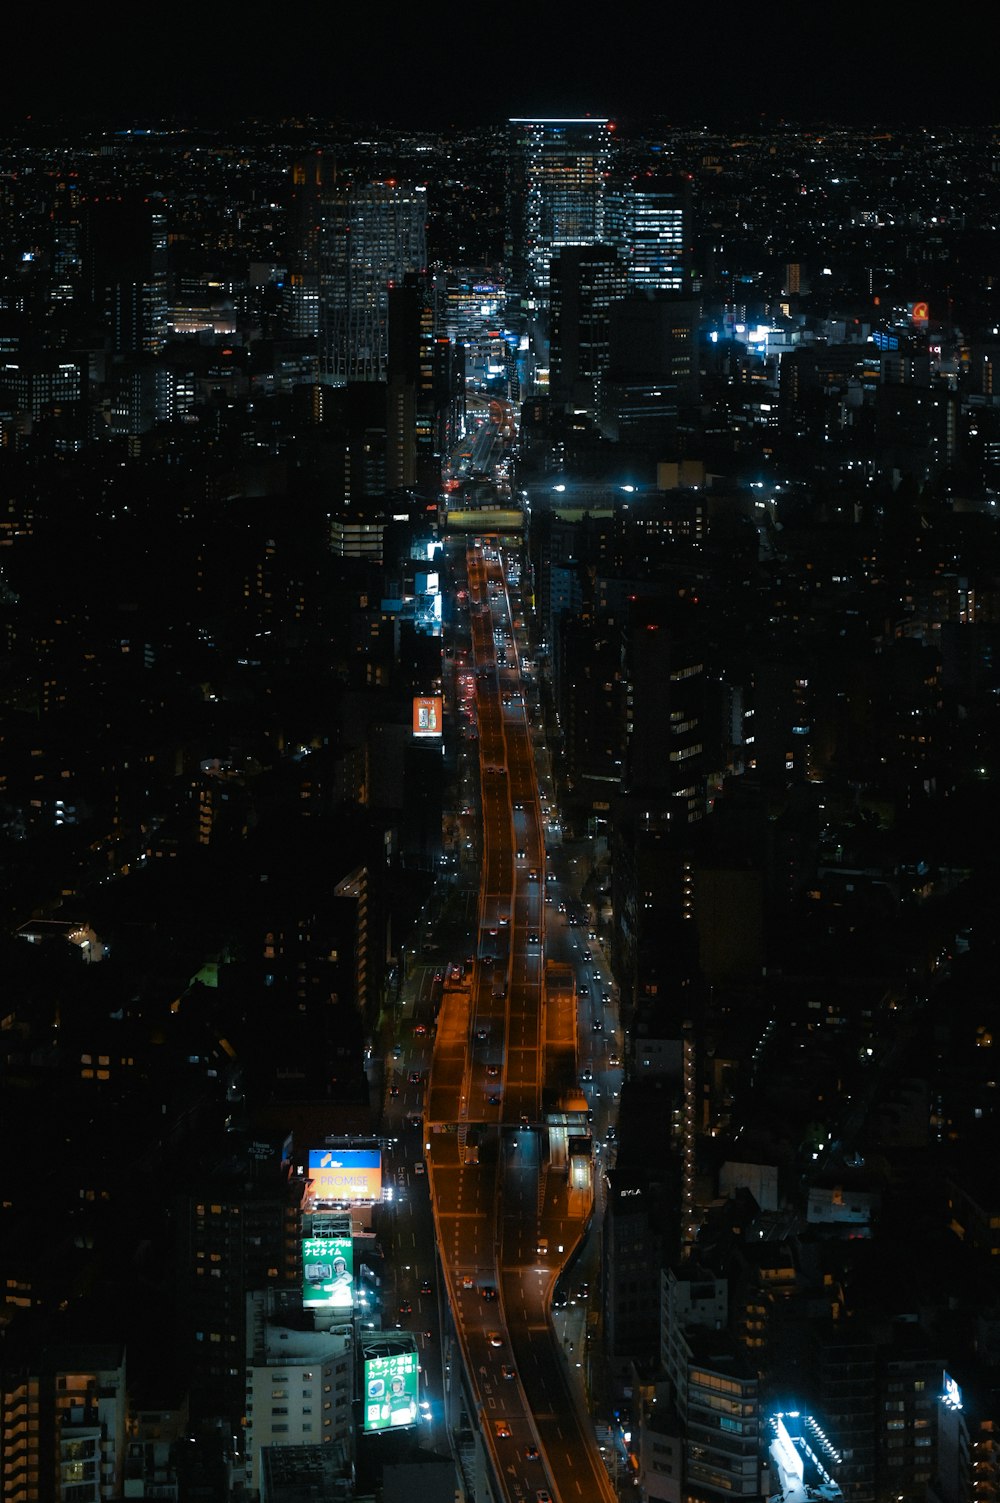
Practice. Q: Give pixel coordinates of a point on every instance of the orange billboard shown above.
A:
(338, 1174)
(427, 710)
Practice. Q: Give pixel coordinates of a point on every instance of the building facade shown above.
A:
(557, 173)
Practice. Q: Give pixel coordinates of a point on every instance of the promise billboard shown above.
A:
(339, 1174)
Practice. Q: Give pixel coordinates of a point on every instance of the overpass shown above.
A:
(470, 519)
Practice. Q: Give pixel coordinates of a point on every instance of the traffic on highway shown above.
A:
(488, 1215)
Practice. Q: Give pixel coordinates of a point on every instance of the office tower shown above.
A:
(632, 1254)
(235, 1231)
(845, 1373)
(664, 658)
(374, 236)
(125, 269)
(652, 367)
(653, 229)
(422, 416)
(302, 291)
(557, 171)
(66, 230)
(583, 283)
(35, 386)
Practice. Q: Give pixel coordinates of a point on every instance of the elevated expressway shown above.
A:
(507, 1142)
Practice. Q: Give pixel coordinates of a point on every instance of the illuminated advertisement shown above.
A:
(337, 1174)
(391, 1391)
(427, 715)
(328, 1272)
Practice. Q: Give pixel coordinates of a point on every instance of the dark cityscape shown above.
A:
(499, 702)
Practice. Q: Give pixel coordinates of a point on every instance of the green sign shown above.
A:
(328, 1272)
(391, 1391)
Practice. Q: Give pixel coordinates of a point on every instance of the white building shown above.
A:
(299, 1384)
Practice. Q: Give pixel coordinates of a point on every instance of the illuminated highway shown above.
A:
(510, 1200)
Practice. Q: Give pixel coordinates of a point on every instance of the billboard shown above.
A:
(337, 1174)
(391, 1391)
(328, 1272)
(427, 715)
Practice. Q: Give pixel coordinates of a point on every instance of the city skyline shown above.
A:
(499, 696)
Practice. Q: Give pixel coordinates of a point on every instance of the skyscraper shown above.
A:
(126, 269)
(584, 282)
(374, 235)
(557, 170)
(302, 299)
(653, 231)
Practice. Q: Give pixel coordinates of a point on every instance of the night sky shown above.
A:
(445, 63)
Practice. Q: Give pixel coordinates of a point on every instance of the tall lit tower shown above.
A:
(125, 269)
(583, 283)
(306, 223)
(557, 171)
(656, 231)
(374, 235)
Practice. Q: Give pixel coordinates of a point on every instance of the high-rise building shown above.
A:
(652, 367)
(125, 270)
(664, 655)
(583, 283)
(557, 170)
(374, 236)
(633, 1252)
(62, 1413)
(302, 290)
(237, 1228)
(650, 222)
(423, 404)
